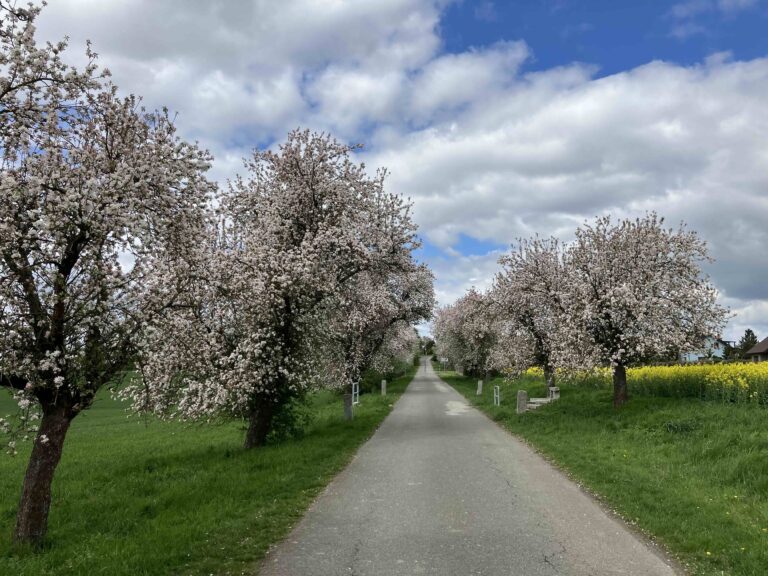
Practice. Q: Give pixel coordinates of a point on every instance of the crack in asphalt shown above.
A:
(547, 558)
(500, 473)
(355, 557)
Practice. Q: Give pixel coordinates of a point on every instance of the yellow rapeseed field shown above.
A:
(732, 382)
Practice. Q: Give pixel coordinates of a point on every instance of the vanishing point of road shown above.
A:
(442, 490)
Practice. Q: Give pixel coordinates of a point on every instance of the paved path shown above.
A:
(440, 489)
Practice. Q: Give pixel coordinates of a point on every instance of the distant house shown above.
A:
(758, 352)
(711, 348)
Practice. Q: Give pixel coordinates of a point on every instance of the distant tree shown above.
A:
(636, 289)
(100, 204)
(528, 297)
(370, 322)
(427, 345)
(465, 333)
(401, 347)
(747, 341)
(730, 352)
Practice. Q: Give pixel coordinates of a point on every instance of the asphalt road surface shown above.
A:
(440, 489)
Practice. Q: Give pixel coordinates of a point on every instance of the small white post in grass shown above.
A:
(496, 396)
(383, 387)
(479, 387)
(553, 393)
(355, 393)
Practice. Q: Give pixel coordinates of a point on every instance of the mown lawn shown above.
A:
(693, 474)
(134, 497)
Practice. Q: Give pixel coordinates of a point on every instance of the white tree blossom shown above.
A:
(399, 347)
(304, 225)
(101, 201)
(636, 290)
(465, 333)
(528, 300)
(371, 320)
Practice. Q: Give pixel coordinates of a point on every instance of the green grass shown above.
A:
(692, 474)
(138, 498)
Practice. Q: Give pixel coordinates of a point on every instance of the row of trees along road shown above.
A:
(117, 252)
(621, 293)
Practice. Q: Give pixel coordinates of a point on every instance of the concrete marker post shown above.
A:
(522, 401)
(496, 396)
(479, 387)
(383, 387)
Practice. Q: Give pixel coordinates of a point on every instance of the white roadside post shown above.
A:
(479, 387)
(355, 393)
(496, 396)
(383, 387)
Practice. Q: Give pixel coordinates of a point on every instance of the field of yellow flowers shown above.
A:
(737, 382)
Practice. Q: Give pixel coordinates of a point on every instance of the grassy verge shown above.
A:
(141, 498)
(692, 474)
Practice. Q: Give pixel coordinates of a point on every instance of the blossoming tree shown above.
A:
(636, 289)
(31, 73)
(99, 197)
(465, 333)
(399, 347)
(371, 320)
(527, 296)
(304, 225)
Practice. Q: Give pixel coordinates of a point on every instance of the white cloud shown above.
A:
(454, 80)
(237, 66)
(553, 149)
(685, 30)
(347, 98)
(458, 274)
(687, 13)
(483, 148)
(736, 5)
(691, 8)
(752, 314)
(486, 12)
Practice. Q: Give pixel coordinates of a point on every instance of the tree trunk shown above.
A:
(32, 517)
(259, 425)
(619, 385)
(549, 375)
(348, 411)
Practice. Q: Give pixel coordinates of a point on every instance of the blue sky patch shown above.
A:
(614, 35)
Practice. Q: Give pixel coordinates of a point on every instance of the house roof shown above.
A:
(759, 348)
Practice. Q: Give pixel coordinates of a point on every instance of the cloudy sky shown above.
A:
(498, 119)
